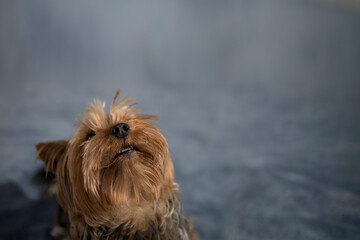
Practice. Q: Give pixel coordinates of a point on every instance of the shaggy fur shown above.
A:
(107, 195)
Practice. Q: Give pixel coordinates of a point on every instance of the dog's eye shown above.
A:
(90, 135)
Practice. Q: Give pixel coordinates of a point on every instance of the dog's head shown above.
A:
(112, 160)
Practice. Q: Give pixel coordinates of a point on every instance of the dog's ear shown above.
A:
(51, 153)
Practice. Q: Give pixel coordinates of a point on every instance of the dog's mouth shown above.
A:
(124, 151)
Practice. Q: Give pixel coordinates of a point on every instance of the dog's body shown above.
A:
(115, 178)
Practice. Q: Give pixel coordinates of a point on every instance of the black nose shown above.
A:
(121, 130)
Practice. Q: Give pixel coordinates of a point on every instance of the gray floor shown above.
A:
(259, 101)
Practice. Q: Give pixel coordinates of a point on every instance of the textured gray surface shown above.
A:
(259, 101)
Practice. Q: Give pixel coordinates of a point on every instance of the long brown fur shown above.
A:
(129, 197)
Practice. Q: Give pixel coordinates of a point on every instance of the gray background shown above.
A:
(259, 101)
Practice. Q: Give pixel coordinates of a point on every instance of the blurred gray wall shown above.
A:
(259, 101)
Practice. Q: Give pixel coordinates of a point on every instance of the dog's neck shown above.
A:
(160, 220)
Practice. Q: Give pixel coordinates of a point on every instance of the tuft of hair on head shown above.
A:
(127, 103)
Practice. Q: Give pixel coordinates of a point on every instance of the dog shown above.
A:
(115, 178)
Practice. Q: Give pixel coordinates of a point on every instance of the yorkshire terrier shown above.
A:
(115, 178)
